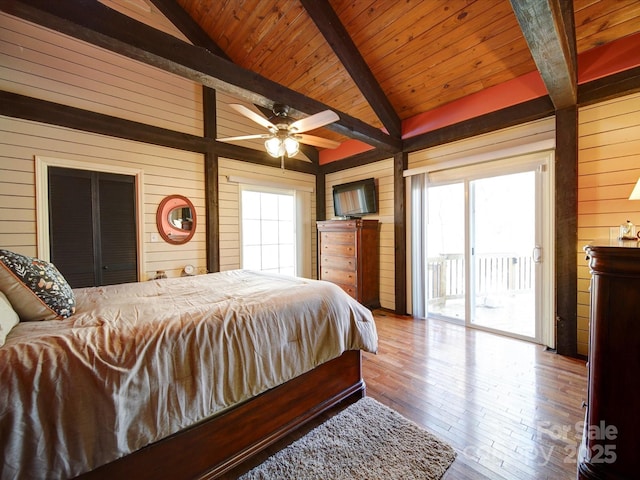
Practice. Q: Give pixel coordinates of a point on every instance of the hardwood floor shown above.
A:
(510, 409)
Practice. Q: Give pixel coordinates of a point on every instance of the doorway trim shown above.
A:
(42, 165)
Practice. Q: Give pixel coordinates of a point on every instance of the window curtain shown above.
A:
(419, 245)
(304, 229)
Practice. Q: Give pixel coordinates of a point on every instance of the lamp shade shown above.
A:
(278, 146)
(635, 194)
(274, 147)
(292, 146)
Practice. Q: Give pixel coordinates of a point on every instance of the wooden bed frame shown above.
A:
(215, 446)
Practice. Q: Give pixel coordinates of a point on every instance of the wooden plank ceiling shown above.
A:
(377, 63)
(384, 61)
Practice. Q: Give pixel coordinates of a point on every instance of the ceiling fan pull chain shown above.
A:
(282, 163)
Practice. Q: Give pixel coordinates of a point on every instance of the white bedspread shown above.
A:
(138, 362)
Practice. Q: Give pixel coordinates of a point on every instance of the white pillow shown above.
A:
(8, 318)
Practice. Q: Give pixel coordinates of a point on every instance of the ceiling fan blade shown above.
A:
(250, 114)
(317, 120)
(243, 137)
(317, 141)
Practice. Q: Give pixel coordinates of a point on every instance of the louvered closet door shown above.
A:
(92, 226)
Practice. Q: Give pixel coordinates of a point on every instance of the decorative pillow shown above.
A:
(8, 318)
(35, 288)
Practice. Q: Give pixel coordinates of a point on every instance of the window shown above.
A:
(268, 230)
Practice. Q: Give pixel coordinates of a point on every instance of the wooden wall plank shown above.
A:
(48, 65)
(608, 167)
(22, 140)
(145, 12)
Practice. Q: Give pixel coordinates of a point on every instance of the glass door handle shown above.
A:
(537, 254)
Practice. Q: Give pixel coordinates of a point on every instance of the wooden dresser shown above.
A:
(348, 255)
(612, 429)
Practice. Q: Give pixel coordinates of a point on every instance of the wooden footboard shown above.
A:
(215, 446)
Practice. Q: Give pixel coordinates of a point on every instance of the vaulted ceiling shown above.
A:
(386, 61)
(392, 70)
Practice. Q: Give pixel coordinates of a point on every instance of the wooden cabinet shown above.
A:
(348, 255)
(612, 427)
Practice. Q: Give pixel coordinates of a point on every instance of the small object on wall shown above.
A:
(188, 271)
(176, 219)
(160, 274)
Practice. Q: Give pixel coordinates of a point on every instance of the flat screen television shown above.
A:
(355, 199)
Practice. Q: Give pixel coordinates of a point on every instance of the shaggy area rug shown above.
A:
(367, 440)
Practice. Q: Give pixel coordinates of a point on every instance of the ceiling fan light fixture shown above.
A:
(278, 147)
(285, 135)
(275, 147)
(292, 146)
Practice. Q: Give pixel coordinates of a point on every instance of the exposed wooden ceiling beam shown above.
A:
(338, 38)
(548, 27)
(97, 24)
(354, 161)
(622, 83)
(507, 117)
(188, 26)
(37, 110)
(28, 108)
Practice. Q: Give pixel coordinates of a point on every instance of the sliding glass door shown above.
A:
(446, 276)
(484, 244)
(503, 253)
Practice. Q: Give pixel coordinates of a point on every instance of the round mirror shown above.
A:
(176, 219)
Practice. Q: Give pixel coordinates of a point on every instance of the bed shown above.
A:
(176, 378)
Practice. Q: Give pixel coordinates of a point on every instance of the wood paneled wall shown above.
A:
(455, 153)
(165, 171)
(40, 63)
(608, 168)
(382, 171)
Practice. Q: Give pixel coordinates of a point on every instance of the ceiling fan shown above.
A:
(286, 134)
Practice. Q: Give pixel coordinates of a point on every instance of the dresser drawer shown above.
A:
(350, 289)
(338, 237)
(338, 249)
(339, 263)
(338, 276)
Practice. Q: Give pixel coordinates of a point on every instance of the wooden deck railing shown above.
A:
(495, 273)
